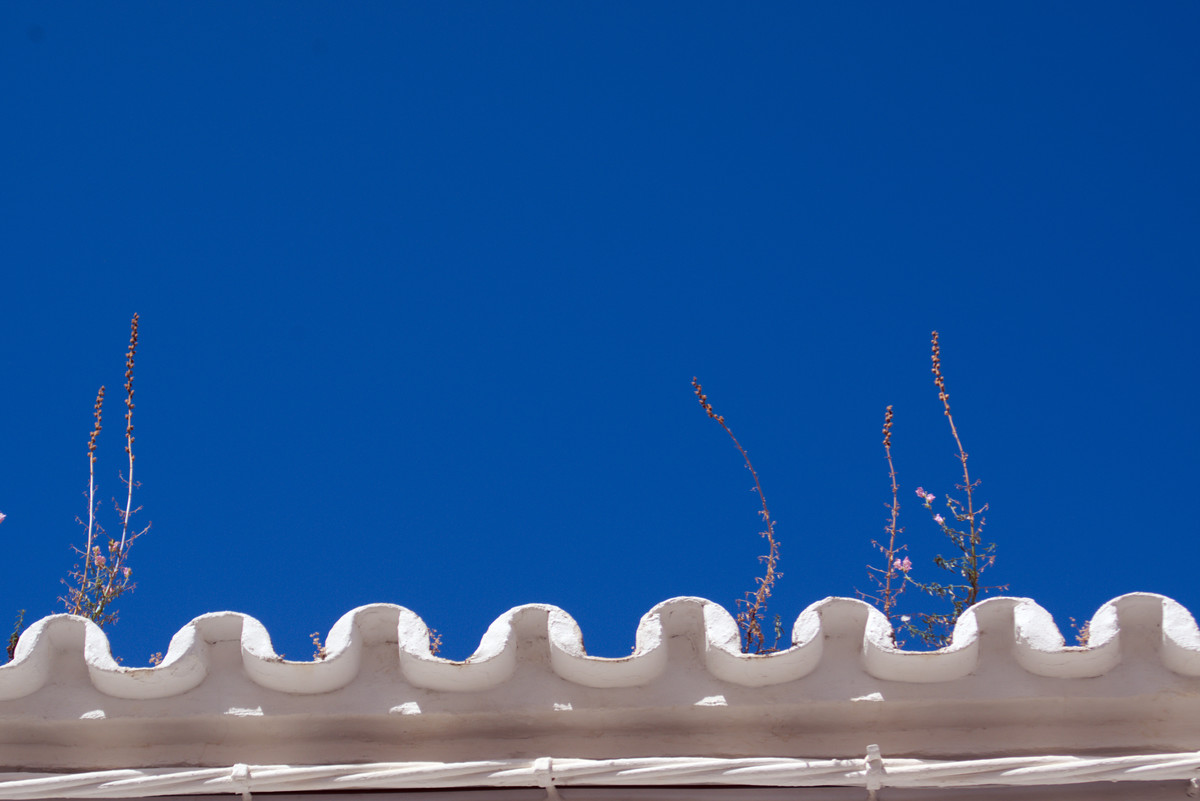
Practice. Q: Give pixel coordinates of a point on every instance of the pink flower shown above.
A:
(127, 571)
(903, 565)
(2, 516)
(99, 560)
(939, 519)
(921, 493)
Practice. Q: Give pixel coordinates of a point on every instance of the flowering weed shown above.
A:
(971, 556)
(754, 605)
(103, 574)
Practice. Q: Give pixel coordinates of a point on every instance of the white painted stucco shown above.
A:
(685, 708)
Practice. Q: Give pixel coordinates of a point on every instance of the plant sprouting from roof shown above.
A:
(103, 574)
(754, 606)
(962, 525)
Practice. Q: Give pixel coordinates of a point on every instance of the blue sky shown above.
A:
(423, 286)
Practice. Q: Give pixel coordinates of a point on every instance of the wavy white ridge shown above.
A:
(1031, 636)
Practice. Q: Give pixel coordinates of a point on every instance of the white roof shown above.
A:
(840, 708)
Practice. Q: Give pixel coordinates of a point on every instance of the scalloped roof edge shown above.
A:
(1034, 640)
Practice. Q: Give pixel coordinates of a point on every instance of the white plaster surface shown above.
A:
(1007, 686)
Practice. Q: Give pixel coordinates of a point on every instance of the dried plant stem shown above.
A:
(76, 606)
(107, 595)
(104, 574)
(752, 614)
(967, 487)
(891, 580)
(889, 595)
(133, 341)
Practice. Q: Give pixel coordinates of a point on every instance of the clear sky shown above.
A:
(423, 285)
